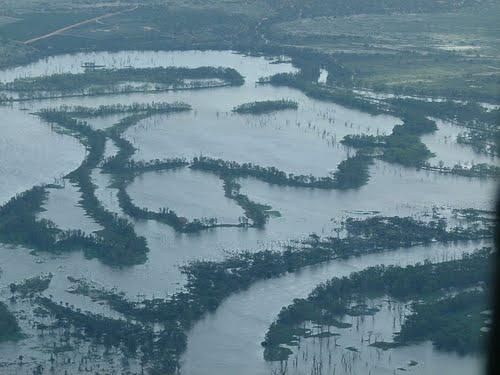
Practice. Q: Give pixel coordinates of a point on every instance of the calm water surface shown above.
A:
(306, 141)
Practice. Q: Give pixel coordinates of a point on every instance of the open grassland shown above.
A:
(445, 48)
(427, 53)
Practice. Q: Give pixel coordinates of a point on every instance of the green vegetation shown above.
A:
(405, 149)
(209, 282)
(446, 50)
(330, 301)
(69, 82)
(123, 246)
(482, 141)
(13, 52)
(113, 81)
(469, 114)
(118, 235)
(482, 125)
(19, 226)
(452, 323)
(403, 146)
(167, 216)
(268, 106)
(36, 23)
(353, 172)
(376, 50)
(258, 213)
(140, 166)
(271, 175)
(123, 170)
(342, 96)
(31, 286)
(9, 328)
(106, 110)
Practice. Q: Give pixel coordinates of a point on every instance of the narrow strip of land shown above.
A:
(66, 28)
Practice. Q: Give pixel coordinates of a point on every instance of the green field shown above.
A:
(428, 53)
(392, 45)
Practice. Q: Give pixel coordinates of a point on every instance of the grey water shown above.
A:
(306, 141)
(228, 341)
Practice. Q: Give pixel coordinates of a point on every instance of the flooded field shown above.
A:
(305, 141)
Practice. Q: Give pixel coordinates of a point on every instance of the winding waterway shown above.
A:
(305, 141)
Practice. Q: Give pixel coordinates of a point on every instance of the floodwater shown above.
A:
(228, 341)
(198, 193)
(302, 141)
(62, 207)
(305, 141)
(443, 143)
(31, 153)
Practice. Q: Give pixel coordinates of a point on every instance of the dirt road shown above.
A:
(66, 28)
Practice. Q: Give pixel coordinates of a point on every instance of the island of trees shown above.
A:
(114, 81)
(343, 178)
(32, 285)
(267, 106)
(9, 328)
(403, 146)
(112, 109)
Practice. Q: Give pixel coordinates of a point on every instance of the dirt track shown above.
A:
(66, 28)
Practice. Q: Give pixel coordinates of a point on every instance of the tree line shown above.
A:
(267, 106)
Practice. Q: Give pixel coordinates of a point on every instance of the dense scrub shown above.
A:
(106, 110)
(342, 179)
(403, 146)
(32, 285)
(453, 323)
(268, 106)
(72, 82)
(19, 226)
(9, 328)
